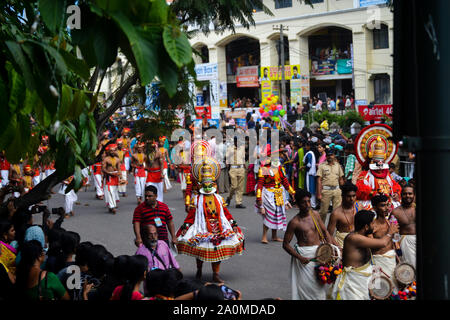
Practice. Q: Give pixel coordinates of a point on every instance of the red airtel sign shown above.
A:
(376, 113)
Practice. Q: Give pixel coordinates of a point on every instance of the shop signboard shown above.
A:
(344, 66)
(368, 3)
(206, 71)
(247, 77)
(201, 110)
(377, 113)
(200, 100)
(323, 67)
(236, 114)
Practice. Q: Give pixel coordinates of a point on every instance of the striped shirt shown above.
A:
(350, 166)
(144, 214)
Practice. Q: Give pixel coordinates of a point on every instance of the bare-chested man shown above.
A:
(166, 162)
(155, 166)
(123, 179)
(353, 282)
(406, 217)
(309, 229)
(342, 218)
(385, 257)
(111, 171)
(138, 163)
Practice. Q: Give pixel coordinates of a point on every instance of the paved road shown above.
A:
(262, 271)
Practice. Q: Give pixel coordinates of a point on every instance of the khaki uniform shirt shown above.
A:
(330, 174)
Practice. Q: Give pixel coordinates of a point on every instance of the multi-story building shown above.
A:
(357, 32)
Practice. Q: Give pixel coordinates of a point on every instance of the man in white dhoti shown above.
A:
(406, 217)
(69, 197)
(309, 229)
(353, 282)
(385, 257)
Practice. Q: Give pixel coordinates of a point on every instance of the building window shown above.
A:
(382, 89)
(381, 37)
(257, 8)
(316, 1)
(279, 4)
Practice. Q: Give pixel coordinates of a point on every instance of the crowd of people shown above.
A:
(316, 171)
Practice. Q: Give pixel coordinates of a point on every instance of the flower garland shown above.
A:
(408, 293)
(327, 273)
(214, 238)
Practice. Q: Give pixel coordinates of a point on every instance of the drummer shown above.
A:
(406, 217)
(384, 258)
(342, 218)
(308, 228)
(353, 282)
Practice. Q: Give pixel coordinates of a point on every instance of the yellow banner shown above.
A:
(274, 73)
(266, 89)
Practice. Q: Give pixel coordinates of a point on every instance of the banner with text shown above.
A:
(296, 92)
(274, 73)
(247, 77)
(377, 113)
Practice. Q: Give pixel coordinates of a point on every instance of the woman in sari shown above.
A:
(7, 251)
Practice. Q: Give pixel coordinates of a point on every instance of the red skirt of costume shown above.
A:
(251, 180)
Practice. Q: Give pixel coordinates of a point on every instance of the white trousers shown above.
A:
(111, 196)
(160, 187)
(123, 187)
(85, 173)
(5, 177)
(98, 182)
(139, 185)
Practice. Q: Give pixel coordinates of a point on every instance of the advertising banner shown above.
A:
(247, 77)
(274, 73)
(376, 113)
(201, 110)
(214, 93)
(266, 88)
(323, 67)
(236, 114)
(223, 101)
(200, 100)
(296, 92)
(206, 71)
(344, 66)
(305, 86)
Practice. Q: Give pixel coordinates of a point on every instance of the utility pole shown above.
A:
(283, 80)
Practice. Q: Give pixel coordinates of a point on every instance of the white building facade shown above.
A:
(315, 39)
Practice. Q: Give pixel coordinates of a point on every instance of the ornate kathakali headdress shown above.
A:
(199, 150)
(208, 170)
(374, 145)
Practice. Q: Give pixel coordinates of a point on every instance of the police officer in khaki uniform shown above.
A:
(237, 172)
(329, 177)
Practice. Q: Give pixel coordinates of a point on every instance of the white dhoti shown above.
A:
(139, 186)
(98, 182)
(183, 183)
(48, 172)
(275, 217)
(340, 236)
(127, 161)
(5, 177)
(408, 246)
(69, 198)
(124, 177)
(352, 283)
(304, 282)
(111, 196)
(85, 173)
(166, 180)
(387, 262)
(160, 187)
(36, 180)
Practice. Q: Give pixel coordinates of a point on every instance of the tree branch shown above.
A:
(102, 118)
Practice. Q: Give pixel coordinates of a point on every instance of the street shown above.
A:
(262, 271)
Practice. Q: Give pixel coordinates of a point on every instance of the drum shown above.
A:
(324, 253)
(405, 273)
(380, 287)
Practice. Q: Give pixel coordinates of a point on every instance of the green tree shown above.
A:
(50, 76)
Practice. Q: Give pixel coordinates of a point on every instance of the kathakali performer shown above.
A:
(270, 195)
(209, 232)
(375, 149)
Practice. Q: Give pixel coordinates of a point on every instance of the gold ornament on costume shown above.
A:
(207, 170)
(378, 152)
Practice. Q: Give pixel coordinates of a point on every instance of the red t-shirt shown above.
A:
(144, 214)
(118, 291)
